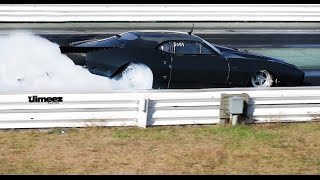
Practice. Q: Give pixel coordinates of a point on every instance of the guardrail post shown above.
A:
(143, 112)
(233, 107)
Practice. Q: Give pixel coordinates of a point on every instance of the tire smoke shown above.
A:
(30, 63)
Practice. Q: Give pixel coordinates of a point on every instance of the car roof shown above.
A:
(160, 36)
(147, 38)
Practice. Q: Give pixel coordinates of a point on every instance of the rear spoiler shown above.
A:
(71, 49)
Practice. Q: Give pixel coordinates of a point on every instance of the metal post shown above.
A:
(143, 112)
(234, 119)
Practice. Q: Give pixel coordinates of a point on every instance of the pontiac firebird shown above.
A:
(180, 60)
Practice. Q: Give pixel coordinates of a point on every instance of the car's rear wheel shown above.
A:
(263, 78)
(137, 76)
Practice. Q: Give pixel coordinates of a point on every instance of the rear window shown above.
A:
(108, 42)
(128, 36)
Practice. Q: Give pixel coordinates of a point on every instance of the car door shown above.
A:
(161, 67)
(196, 65)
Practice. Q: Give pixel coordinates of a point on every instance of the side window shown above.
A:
(204, 49)
(184, 47)
(190, 48)
(165, 46)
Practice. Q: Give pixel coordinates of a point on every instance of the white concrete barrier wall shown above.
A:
(156, 107)
(158, 12)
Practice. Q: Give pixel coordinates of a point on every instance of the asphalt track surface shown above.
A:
(296, 43)
(245, 35)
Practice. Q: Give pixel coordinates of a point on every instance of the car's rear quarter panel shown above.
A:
(114, 59)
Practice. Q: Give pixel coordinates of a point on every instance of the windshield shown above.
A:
(211, 46)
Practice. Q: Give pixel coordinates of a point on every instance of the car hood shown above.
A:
(237, 53)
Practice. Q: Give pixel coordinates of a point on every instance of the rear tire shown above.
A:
(137, 76)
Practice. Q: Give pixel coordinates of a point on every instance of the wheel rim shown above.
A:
(260, 78)
(137, 76)
(128, 73)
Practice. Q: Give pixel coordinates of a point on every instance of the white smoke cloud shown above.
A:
(30, 63)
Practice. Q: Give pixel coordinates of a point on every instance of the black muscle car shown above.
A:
(181, 60)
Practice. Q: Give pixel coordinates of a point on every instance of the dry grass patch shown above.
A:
(256, 149)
